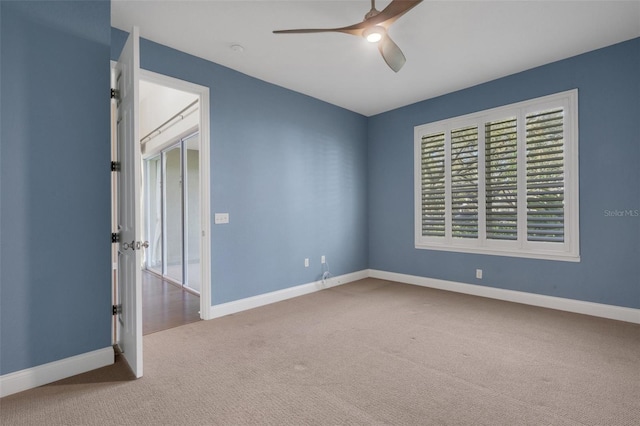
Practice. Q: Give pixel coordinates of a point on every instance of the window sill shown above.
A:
(546, 255)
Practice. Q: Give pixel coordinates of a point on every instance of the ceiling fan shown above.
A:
(375, 29)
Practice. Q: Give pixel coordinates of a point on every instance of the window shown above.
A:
(502, 181)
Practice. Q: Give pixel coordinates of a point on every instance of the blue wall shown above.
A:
(608, 81)
(290, 170)
(55, 288)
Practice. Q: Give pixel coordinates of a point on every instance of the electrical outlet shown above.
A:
(323, 260)
(306, 262)
(479, 274)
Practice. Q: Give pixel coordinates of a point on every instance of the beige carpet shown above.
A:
(366, 353)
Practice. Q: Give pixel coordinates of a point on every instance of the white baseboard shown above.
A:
(619, 313)
(47, 373)
(228, 308)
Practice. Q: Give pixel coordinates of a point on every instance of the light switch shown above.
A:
(221, 218)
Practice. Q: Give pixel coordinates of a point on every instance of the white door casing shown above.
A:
(129, 202)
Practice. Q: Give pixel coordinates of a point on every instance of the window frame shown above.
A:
(569, 249)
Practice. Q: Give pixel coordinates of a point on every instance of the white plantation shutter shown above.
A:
(464, 182)
(545, 176)
(433, 186)
(502, 181)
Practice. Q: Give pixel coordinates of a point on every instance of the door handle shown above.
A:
(135, 245)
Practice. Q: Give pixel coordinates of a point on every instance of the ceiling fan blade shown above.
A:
(393, 11)
(391, 53)
(355, 29)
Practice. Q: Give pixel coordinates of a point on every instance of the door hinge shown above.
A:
(115, 166)
(115, 237)
(116, 309)
(115, 94)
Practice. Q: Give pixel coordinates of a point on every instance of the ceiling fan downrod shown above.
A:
(373, 12)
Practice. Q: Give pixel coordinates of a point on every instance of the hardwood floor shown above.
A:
(166, 305)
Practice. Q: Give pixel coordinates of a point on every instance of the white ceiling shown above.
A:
(449, 45)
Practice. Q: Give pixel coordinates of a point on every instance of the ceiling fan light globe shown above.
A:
(374, 34)
(374, 37)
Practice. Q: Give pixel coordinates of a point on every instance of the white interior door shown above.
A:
(129, 205)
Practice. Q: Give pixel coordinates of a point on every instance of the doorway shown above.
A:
(190, 130)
